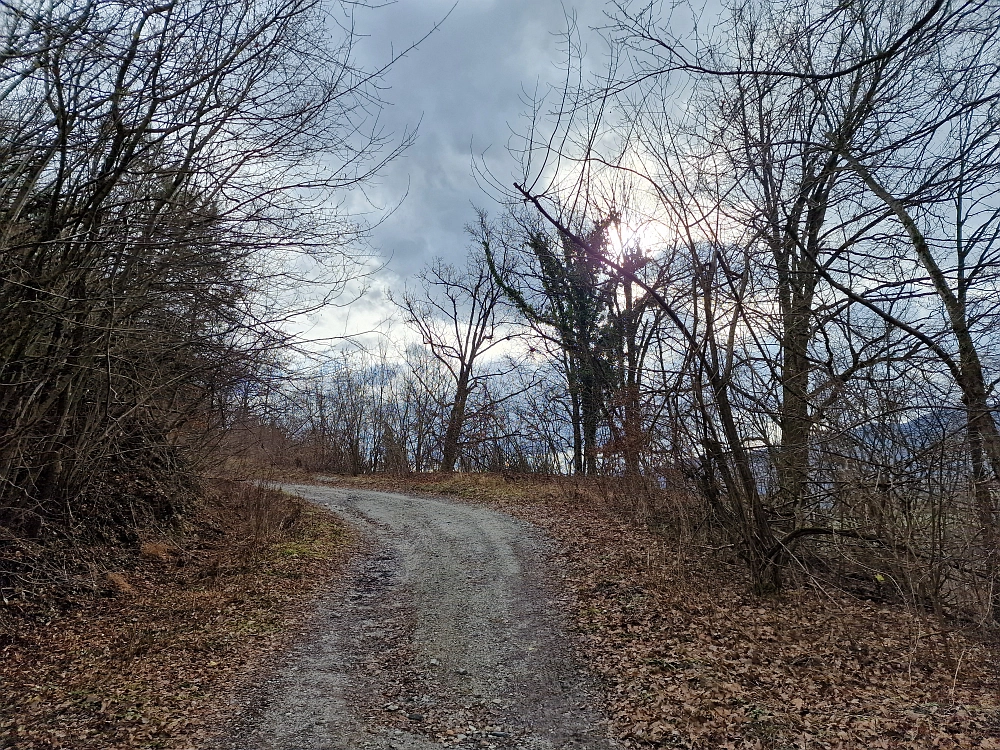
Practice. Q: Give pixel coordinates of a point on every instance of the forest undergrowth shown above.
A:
(152, 652)
(691, 659)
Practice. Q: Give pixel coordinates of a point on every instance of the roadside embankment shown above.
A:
(152, 647)
(689, 658)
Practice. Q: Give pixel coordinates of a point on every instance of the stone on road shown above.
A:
(445, 632)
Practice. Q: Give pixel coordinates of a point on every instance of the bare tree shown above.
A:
(165, 168)
(460, 316)
(829, 171)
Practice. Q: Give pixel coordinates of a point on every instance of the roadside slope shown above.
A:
(690, 659)
(155, 640)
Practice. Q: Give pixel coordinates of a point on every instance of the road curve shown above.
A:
(446, 632)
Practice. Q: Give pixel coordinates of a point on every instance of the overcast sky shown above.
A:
(464, 86)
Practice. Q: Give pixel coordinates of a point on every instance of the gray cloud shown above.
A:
(464, 85)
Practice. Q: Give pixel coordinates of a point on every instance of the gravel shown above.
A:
(445, 632)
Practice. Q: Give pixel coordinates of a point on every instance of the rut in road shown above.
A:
(446, 632)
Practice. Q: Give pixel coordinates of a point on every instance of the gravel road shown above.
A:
(445, 632)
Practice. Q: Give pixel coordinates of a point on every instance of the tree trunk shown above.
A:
(456, 420)
(793, 454)
(576, 416)
(591, 406)
(633, 430)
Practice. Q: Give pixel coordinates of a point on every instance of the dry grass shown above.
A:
(154, 659)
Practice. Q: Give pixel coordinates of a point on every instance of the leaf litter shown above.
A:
(687, 657)
(690, 659)
(156, 655)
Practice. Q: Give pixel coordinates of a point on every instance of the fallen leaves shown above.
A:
(155, 661)
(693, 661)
(690, 659)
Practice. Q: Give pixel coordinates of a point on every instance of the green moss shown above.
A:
(308, 549)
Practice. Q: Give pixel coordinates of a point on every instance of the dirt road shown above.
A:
(446, 632)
